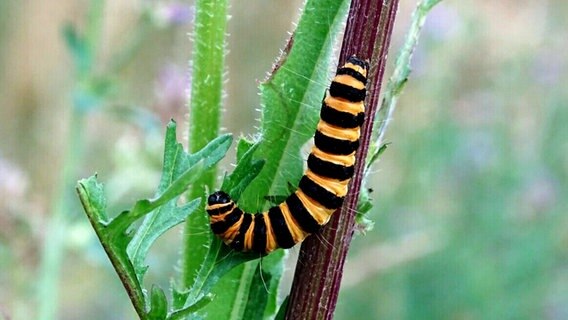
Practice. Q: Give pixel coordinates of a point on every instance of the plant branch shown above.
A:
(320, 266)
(53, 250)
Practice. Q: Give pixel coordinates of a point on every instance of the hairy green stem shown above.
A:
(204, 111)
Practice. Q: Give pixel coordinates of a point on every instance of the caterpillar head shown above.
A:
(362, 66)
(218, 197)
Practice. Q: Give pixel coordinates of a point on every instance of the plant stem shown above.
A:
(52, 252)
(53, 249)
(205, 108)
(320, 265)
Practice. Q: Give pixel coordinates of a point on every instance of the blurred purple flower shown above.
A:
(442, 22)
(171, 91)
(549, 66)
(13, 181)
(173, 13)
(541, 194)
(14, 184)
(478, 152)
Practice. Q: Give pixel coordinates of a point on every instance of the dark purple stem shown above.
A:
(320, 265)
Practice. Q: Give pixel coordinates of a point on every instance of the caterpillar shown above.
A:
(324, 185)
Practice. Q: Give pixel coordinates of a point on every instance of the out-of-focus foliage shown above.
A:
(470, 197)
(472, 194)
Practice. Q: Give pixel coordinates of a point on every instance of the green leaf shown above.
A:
(191, 310)
(254, 299)
(243, 146)
(92, 198)
(257, 295)
(179, 170)
(142, 207)
(185, 170)
(84, 46)
(376, 155)
(275, 200)
(228, 292)
(364, 205)
(93, 192)
(273, 265)
(158, 304)
(77, 47)
(291, 100)
(155, 224)
(278, 199)
(246, 170)
(219, 260)
(281, 315)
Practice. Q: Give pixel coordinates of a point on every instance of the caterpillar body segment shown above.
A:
(323, 187)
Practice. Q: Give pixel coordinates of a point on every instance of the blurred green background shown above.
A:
(470, 198)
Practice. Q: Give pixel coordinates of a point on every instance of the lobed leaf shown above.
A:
(243, 145)
(127, 252)
(92, 198)
(247, 169)
(155, 224)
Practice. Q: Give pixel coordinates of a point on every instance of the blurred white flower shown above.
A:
(13, 183)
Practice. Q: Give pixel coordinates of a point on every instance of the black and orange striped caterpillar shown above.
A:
(324, 184)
